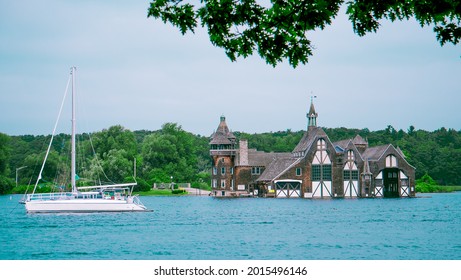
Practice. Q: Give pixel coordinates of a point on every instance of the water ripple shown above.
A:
(207, 228)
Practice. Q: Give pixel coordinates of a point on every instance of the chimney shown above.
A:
(243, 151)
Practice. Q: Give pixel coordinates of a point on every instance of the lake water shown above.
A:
(199, 228)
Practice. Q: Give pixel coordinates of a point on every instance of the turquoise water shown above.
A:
(208, 228)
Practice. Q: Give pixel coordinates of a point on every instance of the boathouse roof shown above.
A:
(308, 138)
(341, 146)
(375, 153)
(276, 168)
(259, 158)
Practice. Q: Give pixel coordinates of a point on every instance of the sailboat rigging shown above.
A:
(106, 198)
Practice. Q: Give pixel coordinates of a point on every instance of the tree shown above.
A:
(170, 152)
(115, 138)
(5, 183)
(54, 168)
(118, 166)
(278, 30)
(4, 153)
(115, 150)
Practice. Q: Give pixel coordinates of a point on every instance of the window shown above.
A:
(354, 174)
(298, 171)
(223, 184)
(316, 172)
(321, 164)
(350, 175)
(255, 171)
(350, 155)
(215, 183)
(326, 172)
(232, 170)
(321, 145)
(321, 172)
(350, 171)
(391, 175)
(391, 161)
(215, 171)
(223, 170)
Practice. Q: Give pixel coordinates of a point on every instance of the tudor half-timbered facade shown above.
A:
(316, 168)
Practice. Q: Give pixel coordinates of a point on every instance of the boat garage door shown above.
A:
(288, 188)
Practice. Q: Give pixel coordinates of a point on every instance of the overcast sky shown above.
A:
(140, 73)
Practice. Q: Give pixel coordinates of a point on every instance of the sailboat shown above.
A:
(105, 198)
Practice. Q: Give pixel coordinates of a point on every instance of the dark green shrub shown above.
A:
(178, 191)
(426, 184)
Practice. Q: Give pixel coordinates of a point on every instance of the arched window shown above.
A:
(350, 155)
(321, 145)
(321, 174)
(350, 168)
(321, 156)
(391, 161)
(350, 176)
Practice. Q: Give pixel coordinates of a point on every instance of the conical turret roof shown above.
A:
(222, 135)
(312, 110)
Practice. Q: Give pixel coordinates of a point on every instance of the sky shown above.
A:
(140, 73)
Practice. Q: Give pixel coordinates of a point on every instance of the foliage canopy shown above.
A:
(173, 152)
(277, 30)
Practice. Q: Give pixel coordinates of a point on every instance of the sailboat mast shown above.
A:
(73, 153)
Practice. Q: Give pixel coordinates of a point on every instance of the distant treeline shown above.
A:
(174, 155)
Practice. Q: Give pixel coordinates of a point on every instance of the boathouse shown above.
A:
(316, 168)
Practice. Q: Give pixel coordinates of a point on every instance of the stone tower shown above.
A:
(223, 151)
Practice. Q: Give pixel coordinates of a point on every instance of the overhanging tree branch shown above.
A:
(278, 31)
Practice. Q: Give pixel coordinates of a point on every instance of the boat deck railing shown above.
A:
(83, 195)
(50, 196)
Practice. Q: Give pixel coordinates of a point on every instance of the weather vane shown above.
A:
(312, 97)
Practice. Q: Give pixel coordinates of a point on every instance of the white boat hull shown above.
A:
(106, 198)
(82, 206)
